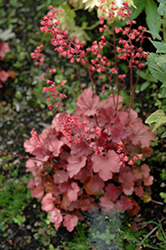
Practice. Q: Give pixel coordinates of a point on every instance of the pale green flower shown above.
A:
(90, 4)
(77, 4)
(108, 2)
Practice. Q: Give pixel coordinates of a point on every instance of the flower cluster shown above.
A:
(128, 51)
(124, 49)
(56, 95)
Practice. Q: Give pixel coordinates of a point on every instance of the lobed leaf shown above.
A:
(87, 103)
(70, 222)
(75, 164)
(106, 165)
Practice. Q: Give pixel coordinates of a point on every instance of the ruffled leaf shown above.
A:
(75, 164)
(106, 165)
(70, 222)
(87, 103)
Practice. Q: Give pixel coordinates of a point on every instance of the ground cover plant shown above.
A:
(108, 237)
(89, 148)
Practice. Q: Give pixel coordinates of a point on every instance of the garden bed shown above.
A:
(23, 225)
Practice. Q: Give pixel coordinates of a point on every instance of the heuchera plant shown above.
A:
(85, 160)
(4, 75)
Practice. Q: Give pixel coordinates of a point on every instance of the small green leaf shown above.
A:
(163, 196)
(158, 116)
(144, 85)
(147, 76)
(163, 135)
(51, 247)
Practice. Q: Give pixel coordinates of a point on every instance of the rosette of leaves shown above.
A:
(85, 161)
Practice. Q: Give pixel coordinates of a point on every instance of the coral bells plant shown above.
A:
(88, 159)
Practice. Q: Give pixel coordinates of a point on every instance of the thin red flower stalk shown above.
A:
(75, 51)
(24, 157)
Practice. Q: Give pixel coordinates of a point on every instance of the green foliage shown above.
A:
(104, 231)
(149, 81)
(80, 241)
(163, 196)
(14, 197)
(163, 175)
(131, 240)
(160, 235)
(157, 65)
(68, 22)
(19, 220)
(159, 118)
(51, 247)
(152, 15)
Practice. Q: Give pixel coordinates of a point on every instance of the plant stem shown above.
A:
(24, 157)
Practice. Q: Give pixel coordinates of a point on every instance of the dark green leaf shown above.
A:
(163, 93)
(154, 34)
(144, 86)
(158, 45)
(140, 4)
(164, 108)
(163, 135)
(152, 17)
(163, 85)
